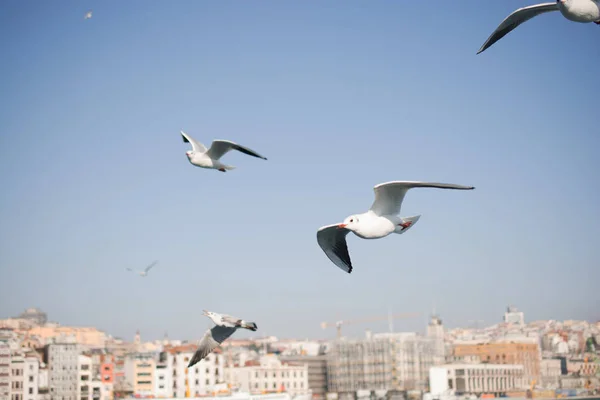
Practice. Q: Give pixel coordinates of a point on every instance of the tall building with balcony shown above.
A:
(139, 372)
(63, 375)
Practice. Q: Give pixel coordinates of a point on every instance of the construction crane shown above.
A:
(339, 324)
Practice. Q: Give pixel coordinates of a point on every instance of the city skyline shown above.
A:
(351, 331)
(339, 99)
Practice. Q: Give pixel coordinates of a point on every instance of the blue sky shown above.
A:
(339, 96)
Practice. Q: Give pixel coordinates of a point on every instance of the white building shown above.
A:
(163, 384)
(63, 376)
(205, 377)
(270, 375)
(23, 377)
(43, 389)
(550, 372)
(84, 367)
(475, 378)
(514, 316)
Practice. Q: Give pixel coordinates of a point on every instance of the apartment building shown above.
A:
(163, 384)
(63, 374)
(270, 374)
(550, 371)
(525, 354)
(84, 368)
(4, 371)
(317, 373)
(202, 379)
(24, 372)
(139, 372)
(476, 379)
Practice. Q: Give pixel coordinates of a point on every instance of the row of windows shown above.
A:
(284, 374)
(265, 385)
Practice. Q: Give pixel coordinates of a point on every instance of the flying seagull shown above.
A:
(381, 220)
(225, 326)
(200, 157)
(574, 10)
(145, 271)
(88, 15)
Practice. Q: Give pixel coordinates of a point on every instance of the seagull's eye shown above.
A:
(351, 220)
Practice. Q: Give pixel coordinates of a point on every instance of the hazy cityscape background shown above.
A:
(40, 359)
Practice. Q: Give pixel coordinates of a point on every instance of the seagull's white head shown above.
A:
(189, 153)
(350, 223)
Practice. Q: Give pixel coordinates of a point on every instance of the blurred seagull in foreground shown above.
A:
(583, 11)
(88, 15)
(145, 271)
(200, 157)
(381, 220)
(225, 326)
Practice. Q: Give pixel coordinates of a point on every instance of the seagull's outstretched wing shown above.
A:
(234, 321)
(211, 340)
(219, 147)
(150, 266)
(515, 19)
(332, 240)
(389, 195)
(196, 146)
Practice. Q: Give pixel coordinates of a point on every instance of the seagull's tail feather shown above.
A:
(228, 167)
(249, 325)
(406, 224)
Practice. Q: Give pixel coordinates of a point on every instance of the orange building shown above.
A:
(525, 354)
(107, 369)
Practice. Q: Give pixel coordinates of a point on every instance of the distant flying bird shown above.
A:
(88, 15)
(200, 157)
(381, 220)
(145, 271)
(583, 11)
(225, 326)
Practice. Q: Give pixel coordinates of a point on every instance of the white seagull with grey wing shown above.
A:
(225, 326)
(145, 271)
(381, 220)
(583, 11)
(203, 158)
